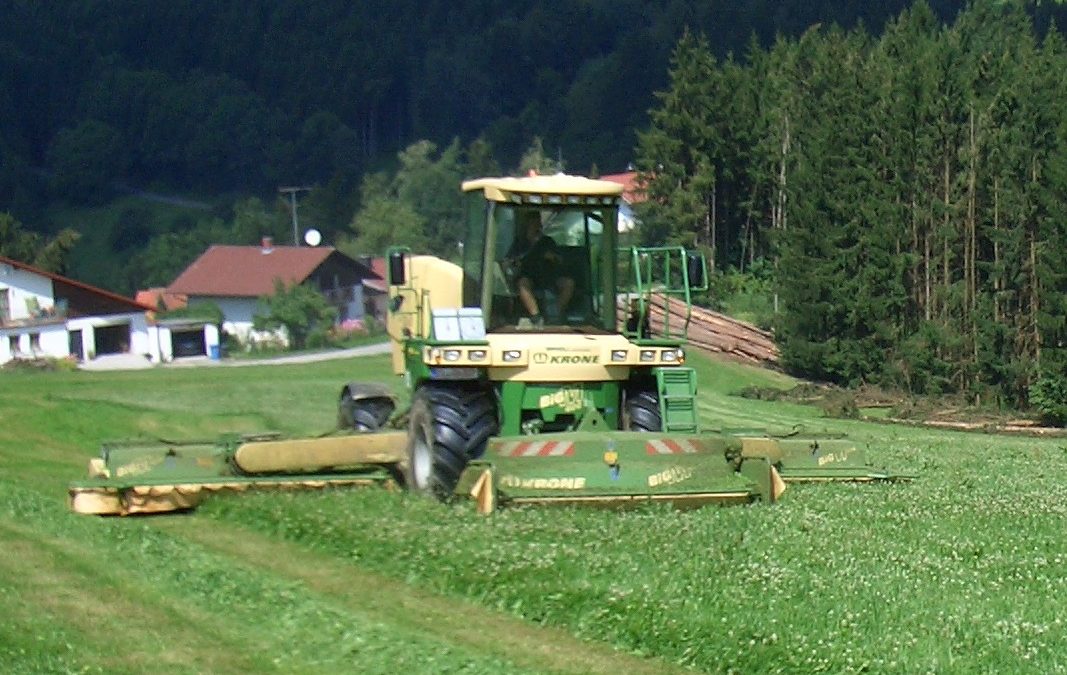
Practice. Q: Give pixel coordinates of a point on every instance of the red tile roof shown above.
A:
(153, 296)
(248, 271)
(631, 191)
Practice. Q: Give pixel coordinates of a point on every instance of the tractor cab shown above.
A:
(540, 252)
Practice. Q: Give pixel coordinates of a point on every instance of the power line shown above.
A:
(292, 202)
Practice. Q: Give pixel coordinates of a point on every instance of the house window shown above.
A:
(35, 343)
(5, 304)
(13, 344)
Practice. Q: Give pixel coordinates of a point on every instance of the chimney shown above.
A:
(268, 245)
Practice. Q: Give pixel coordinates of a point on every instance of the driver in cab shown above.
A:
(539, 265)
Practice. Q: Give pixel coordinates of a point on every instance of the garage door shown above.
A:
(187, 343)
(112, 339)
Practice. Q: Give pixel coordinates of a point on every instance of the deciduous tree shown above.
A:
(298, 308)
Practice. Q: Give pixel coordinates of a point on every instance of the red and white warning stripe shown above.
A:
(666, 446)
(536, 449)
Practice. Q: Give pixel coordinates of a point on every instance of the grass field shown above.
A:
(959, 571)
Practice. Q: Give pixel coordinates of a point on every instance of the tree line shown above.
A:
(900, 184)
(246, 96)
(908, 193)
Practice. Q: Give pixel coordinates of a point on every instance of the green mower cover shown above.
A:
(617, 468)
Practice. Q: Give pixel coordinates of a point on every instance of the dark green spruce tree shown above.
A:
(840, 277)
(677, 154)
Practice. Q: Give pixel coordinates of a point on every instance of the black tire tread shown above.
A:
(463, 419)
(642, 410)
(365, 414)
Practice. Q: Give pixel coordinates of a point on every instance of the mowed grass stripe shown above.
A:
(454, 621)
(161, 599)
(715, 414)
(118, 624)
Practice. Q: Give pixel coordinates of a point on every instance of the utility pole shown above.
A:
(292, 205)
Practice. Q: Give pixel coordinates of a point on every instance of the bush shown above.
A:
(204, 311)
(1049, 397)
(748, 295)
(231, 344)
(373, 326)
(41, 364)
(299, 309)
(319, 337)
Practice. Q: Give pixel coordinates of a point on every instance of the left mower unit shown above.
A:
(142, 477)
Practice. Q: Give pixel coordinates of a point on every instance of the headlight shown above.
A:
(648, 355)
(618, 355)
(669, 355)
(435, 355)
(452, 354)
(512, 355)
(477, 354)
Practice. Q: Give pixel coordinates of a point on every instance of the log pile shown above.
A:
(716, 333)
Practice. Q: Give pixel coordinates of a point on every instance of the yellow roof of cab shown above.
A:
(500, 189)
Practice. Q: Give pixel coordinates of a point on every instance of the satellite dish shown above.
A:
(312, 237)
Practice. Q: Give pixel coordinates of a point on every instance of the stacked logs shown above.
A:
(714, 332)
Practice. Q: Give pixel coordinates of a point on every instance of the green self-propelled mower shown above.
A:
(535, 375)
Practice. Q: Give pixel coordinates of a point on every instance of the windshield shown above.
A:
(543, 266)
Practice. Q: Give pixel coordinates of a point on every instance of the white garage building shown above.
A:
(47, 315)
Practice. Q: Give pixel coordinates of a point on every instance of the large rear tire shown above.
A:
(449, 426)
(642, 410)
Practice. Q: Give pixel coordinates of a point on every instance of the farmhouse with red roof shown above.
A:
(235, 278)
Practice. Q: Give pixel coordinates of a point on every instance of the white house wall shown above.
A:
(212, 338)
(34, 338)
(237, 318)
(50, 335)
(141, 340)
(23, 286)
(355, 308)
(51, 340)
(237, 314)
(161, 336)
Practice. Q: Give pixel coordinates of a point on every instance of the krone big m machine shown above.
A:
(535, 377)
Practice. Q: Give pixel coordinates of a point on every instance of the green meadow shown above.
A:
(961, 570)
